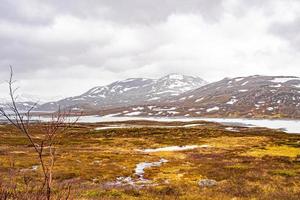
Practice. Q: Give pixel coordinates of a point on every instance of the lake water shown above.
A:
(289, 126)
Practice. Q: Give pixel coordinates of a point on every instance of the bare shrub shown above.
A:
(45, 147)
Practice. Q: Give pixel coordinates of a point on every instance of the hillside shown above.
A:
(128, 92)
(251, 97)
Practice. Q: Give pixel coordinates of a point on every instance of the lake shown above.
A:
(289, 126)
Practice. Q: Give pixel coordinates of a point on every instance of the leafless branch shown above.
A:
(50, 130)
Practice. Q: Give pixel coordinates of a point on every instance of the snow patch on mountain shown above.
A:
(216, 108)
(284, 79)
(232, 101)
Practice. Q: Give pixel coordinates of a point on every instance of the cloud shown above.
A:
(137, 11)
(288, 31)
(65, 47)
(30, 12)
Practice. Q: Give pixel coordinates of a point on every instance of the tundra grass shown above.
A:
(252, 163)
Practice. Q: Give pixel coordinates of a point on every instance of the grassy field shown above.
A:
(243, 163)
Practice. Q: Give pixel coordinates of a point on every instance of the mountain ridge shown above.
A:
(177, 95)
(248, 97)
(127, 92)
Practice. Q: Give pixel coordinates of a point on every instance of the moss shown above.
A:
(285, 172)
(92, 193)
(238, 166)
(65, 175)
(284, 150)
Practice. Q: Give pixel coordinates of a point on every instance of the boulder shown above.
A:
(207, 183)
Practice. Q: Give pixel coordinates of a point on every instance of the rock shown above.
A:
(96, 162)
(33, 168)
(207, 183)
(95, 180)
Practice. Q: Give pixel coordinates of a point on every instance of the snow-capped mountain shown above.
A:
(253, 97)
(22, 106)
(179, 95)
(23, 102)
(129, 92)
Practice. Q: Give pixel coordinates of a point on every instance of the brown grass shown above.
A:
(246, 164)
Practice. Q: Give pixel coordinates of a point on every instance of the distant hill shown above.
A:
(179, 95)
(250, 97)
(128, 92)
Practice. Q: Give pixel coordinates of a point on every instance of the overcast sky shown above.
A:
(63, 48)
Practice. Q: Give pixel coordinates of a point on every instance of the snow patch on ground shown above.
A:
(232, 101)
(138, 108)
(174, 148)
(164, 109)
(172, 112)
(139, 169)
(216, 108)
(112, 115)
(231, 129)
(192, 125)
(151, 107)
(134, 113)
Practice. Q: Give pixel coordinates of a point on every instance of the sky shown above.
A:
(63, 48)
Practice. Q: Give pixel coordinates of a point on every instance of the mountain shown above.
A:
(129, 92)
(22, 106)
(25, 101)
(178, 95)
(251, 97)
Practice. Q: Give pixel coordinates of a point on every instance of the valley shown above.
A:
(159, 160)
(150, 100)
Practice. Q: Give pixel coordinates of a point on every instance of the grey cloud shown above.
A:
(125, 11)
(30, 12)
(149, 11)
(52, 40)
(288, 31)
(30, 44)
